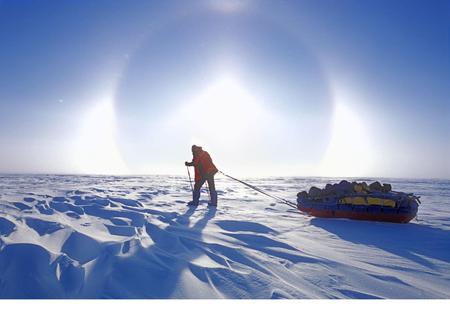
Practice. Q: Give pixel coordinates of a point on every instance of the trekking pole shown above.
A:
(190, 180)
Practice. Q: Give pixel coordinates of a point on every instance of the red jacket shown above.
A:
(204, 165)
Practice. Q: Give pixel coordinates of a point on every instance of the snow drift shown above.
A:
(134, 237)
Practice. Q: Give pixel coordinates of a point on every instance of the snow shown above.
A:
(134, 237)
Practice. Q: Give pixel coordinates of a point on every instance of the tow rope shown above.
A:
(279, 199)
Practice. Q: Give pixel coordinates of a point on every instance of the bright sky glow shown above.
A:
(350, 149)
(229, 6)
(225, 118)
(223, 114)
(313, 88)
(94, 149)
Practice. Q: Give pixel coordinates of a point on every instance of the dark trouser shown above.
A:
(212, 189)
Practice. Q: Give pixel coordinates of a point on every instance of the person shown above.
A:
(204, 172)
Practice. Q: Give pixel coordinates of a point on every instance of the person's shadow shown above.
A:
(158, 270)
(185, 218)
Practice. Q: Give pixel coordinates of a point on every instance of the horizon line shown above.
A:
(248, 177)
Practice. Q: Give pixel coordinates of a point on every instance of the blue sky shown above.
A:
(340, 88)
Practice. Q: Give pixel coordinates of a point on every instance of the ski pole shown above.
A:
(190, 180)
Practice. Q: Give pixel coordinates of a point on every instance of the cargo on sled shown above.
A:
(359, 201)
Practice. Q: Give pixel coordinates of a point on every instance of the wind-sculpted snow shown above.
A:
(134, 237)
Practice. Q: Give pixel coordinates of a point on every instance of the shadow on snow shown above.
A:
(416, 242)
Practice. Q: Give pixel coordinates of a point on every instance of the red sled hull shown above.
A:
(404, 217)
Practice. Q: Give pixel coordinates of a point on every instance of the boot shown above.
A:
(195, 198)
(213, 199)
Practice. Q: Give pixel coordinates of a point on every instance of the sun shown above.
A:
(224, 114)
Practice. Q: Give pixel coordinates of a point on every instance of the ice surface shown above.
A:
(134, 237)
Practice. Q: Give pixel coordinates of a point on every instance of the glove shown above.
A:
(186, 163)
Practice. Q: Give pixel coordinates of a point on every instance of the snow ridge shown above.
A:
(134, 237)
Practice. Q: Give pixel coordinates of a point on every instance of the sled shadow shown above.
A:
(412, 241)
